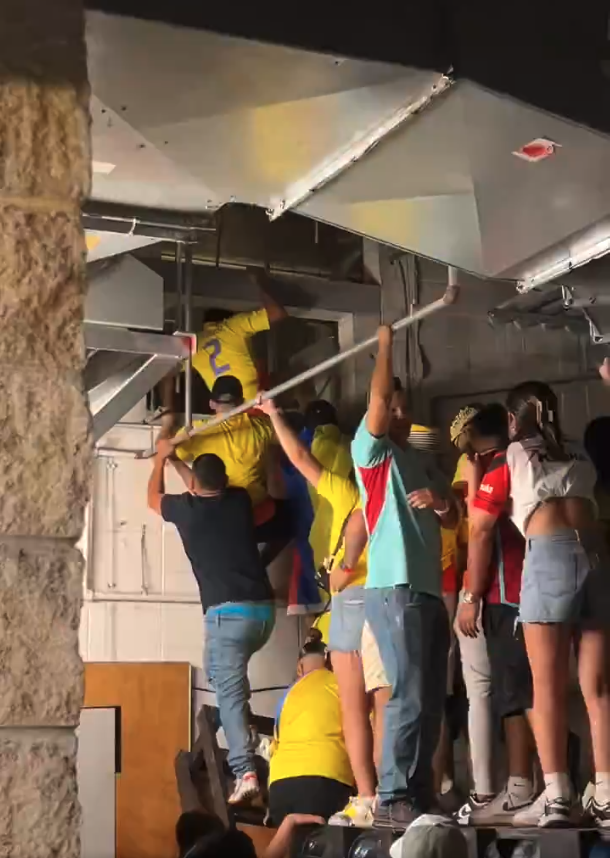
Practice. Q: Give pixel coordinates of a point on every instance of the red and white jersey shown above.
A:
(527, 477)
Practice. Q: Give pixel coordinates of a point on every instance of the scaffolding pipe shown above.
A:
(448, 298)
(188, 327)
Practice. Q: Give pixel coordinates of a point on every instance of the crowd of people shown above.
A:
(506, 565)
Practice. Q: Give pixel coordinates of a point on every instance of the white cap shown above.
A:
(431, 836)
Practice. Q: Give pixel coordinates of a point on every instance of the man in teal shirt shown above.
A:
(405, 499)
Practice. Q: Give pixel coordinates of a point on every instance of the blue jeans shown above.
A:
(233, 633)
(412, 633)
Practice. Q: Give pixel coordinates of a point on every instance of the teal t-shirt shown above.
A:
(404, 543)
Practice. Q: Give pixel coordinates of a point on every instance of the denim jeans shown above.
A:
(232, 638)
(412, 633)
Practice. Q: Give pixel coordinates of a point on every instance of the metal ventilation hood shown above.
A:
(402, 155)
(124, 364)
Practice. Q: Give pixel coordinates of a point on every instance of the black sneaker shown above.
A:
(600, 813)
(558, 813)
(398, 815)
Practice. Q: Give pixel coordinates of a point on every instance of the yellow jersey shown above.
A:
(460, 485)
(309, 737)
(242, 442)
(337, 497)
(223, 349)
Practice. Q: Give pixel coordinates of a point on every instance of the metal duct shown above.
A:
(122, 367)
(390, 152)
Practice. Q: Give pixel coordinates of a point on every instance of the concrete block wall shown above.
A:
(467, 359)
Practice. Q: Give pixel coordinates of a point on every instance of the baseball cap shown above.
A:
(425, 438)
(431, 836)
(228, 390)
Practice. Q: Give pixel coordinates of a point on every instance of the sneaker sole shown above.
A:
(244, 799)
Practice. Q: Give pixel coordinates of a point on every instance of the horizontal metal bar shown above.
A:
(448, 298)
(114, 339)
(159, 218)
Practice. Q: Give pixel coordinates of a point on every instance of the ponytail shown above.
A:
(535, 409)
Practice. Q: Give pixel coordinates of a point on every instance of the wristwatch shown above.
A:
(469, 598)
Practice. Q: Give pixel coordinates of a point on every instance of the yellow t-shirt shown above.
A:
(459, 482)
(332, 450)
(337, 497)
(309, 736)
(242, 442)
(223, 349)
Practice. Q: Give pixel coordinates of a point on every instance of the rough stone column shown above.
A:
(44, 425)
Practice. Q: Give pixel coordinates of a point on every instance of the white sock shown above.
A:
(521, 788)
(558, 786)
(602, 788)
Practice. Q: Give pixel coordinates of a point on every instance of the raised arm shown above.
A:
(156, 483)
(382, 386)
(306, 464)
(275, 311)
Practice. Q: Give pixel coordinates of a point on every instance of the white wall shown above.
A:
(141, 598)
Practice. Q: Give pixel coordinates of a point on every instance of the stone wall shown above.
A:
(44, 423)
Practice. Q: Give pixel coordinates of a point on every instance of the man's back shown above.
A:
(242, 442)
(219, 539)
(223, 349)
(309, 735)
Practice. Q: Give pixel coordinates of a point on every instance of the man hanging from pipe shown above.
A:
(405, 500)
(247, 446)
(223, 346)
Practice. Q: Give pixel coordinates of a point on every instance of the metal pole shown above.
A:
(179, 286)
(188, 325)
(448, 298)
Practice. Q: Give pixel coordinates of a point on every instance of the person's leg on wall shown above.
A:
(231, 640)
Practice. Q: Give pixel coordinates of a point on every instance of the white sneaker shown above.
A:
(475, 802)
(245, 789)
(559, 813)
(499, 811)
(359, 813)
(530, 816)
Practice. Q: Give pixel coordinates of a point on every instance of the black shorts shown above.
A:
(319, 796)
(511, 677)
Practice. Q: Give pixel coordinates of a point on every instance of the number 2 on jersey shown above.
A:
(213, 347)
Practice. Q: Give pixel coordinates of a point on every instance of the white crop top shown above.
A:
(534, 478)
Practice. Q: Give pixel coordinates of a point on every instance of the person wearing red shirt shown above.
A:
(511, 679)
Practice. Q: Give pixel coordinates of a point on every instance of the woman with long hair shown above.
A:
(565, 592)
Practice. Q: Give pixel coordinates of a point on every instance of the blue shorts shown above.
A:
(566, 579)
(346, 620)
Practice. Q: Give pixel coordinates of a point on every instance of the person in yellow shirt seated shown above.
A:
(309, 770)
(223, 346)
(348, 572)
(246, 445)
